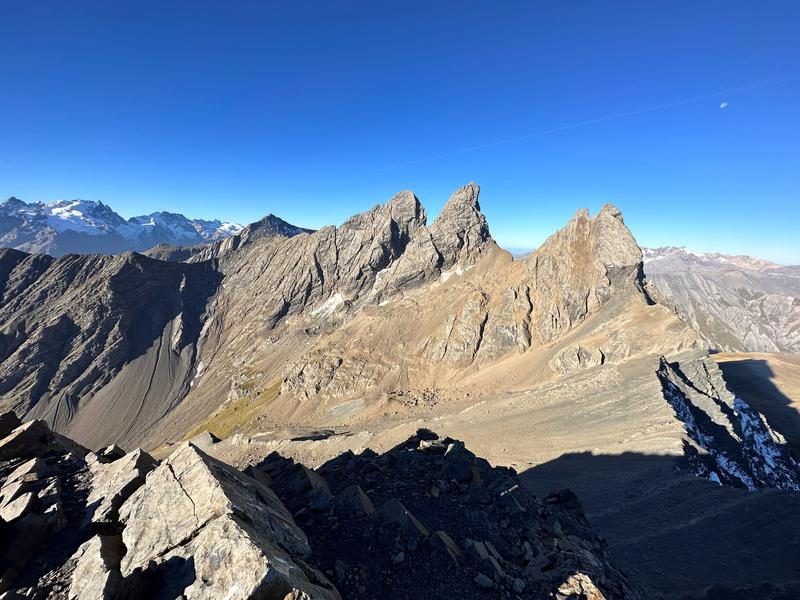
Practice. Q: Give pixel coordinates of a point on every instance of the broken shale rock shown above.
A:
(191, 527)
(194, 527)
(479, 536)
(114, 483)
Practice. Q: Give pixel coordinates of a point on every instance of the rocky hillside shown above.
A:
(737, 303)
(121, 331)
(728, 441)
(435, 520)
(319, 311)
(325, 316)
(87, 227)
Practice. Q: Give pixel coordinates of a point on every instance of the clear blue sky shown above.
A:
(317, 110)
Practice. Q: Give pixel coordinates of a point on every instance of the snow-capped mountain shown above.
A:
(85, 226)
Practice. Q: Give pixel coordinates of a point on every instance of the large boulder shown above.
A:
(113, 483)
(96, 574)
(239, 538)
(28, 440)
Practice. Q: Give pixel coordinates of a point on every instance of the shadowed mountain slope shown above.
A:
(676, 534)
(99, 346)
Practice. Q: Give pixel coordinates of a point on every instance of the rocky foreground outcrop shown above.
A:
(81, 525)
(426, 518)
(727, 441)
(430, 519)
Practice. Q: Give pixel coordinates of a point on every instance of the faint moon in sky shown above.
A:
(724, 105)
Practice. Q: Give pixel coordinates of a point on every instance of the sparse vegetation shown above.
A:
(232, 415)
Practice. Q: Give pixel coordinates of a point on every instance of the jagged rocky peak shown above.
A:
(460, 230)
(456, 239)
(405, 207)
(581, 267)
(370, 241)
(12, 201)
(399, 219)
(272, 225)
(604, 239)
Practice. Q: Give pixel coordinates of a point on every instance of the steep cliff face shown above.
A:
(98, 337)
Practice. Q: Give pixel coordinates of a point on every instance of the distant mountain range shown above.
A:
(85, 226)
(735, 302)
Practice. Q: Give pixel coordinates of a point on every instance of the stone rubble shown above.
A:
(78, 525)
(479, 536)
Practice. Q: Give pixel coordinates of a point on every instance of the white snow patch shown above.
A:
(330, 306)
(75, 216)
(454, 270)
(197, 373)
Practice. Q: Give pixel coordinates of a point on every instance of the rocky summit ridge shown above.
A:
(83, 525)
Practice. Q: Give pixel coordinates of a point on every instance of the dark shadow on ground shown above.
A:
(752, 381)
(674, 534)
(315, 436)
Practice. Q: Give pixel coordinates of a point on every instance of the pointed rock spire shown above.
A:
(580, 267)
(460, 230)
(456, 237)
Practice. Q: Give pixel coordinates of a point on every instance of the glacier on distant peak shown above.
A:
(87, 226)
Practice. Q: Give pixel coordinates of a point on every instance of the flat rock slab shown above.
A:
(237, 535)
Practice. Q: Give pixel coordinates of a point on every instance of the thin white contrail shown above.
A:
(603, 119)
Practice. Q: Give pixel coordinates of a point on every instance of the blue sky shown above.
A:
(316, 110)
